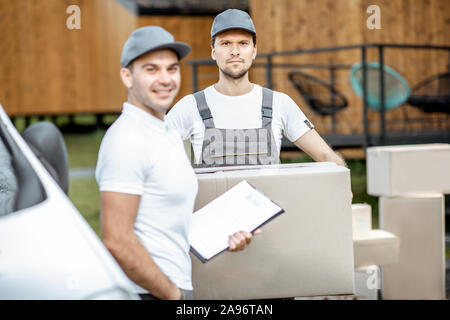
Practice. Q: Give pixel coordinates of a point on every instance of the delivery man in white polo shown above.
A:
(234, 121)
(147, 184)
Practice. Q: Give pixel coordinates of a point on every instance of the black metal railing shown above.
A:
(367, 139)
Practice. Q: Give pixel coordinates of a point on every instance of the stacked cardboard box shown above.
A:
(372, 249)
(361, 220)
(411, 181)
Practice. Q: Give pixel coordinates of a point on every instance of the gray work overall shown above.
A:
(231, 147)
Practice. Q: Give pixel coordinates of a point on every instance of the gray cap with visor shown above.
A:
(232, 19)
(150, 38)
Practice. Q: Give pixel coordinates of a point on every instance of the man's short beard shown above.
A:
(233, 76)
(152, 106)
(148, 103)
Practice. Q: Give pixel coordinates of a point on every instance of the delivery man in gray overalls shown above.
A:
(231, 147)
(234, 121)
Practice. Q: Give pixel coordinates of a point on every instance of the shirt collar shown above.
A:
(245, 95)
(145, 117)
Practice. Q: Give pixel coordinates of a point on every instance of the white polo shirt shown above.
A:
(139, 155)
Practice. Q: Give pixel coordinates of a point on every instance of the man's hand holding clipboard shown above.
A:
(230, 221)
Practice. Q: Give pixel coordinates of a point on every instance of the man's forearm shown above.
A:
(139, 266)
(313, 144)
(337, 158)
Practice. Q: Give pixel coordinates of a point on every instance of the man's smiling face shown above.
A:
(153, 80)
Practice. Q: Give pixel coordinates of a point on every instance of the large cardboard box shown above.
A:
(418, 221)
(397, 170)
(306, 251)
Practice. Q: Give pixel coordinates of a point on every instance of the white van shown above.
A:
(47, 249)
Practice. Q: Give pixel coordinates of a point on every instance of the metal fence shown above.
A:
(383, 137)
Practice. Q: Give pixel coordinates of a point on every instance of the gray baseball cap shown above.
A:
(232, 19)
(150, 38)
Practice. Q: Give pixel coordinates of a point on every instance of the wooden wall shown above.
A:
(303, 24)
(45, 68)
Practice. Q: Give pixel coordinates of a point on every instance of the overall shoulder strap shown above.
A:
(267, 102)
(203, 109)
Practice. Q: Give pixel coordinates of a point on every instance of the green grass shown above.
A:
(85, 196)
(84, 193)
(83, 148)
(359, 188)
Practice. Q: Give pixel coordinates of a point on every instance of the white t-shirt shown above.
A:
(139, 155)
(237, 112)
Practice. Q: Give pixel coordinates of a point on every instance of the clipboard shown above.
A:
(241, 208)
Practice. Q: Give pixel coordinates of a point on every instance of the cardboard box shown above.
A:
(397, 170)
(367, 285)
(367, 282)
(379, 247)
(306, 251)
(418, 221)
(371, 247)
(361, 220)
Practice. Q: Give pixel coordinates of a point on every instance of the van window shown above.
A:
(20, 186)
(8, 181)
